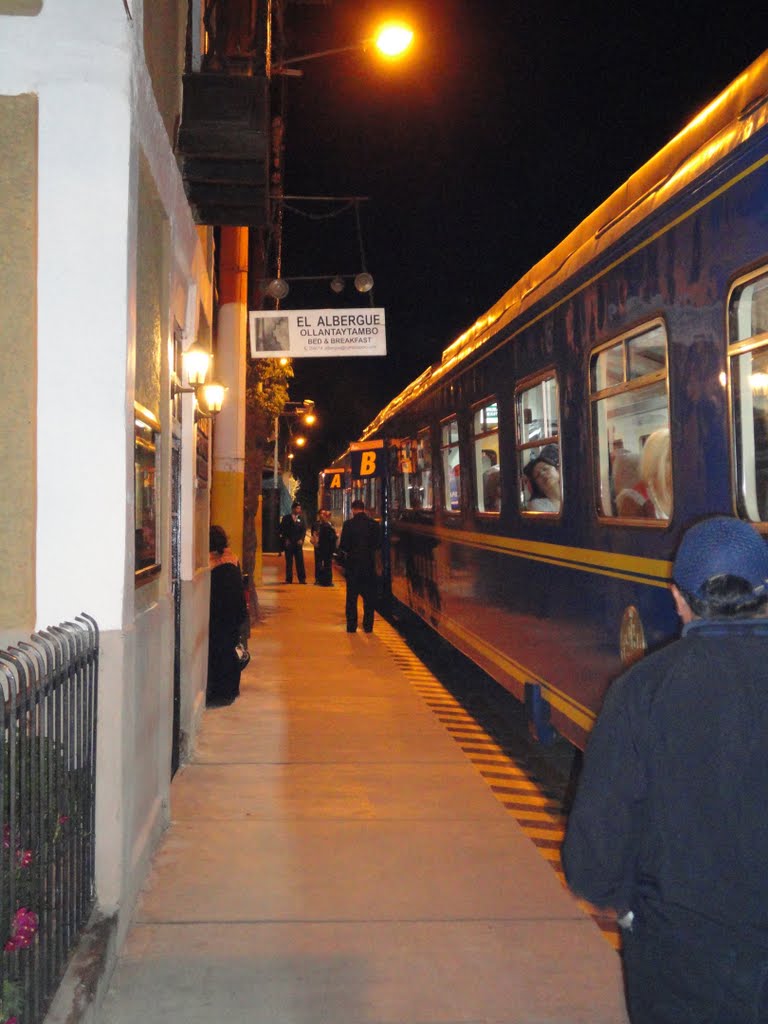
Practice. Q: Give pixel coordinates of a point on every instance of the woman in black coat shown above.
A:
(227, 613)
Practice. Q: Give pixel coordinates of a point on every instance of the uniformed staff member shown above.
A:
(359, 542)
(669, 825)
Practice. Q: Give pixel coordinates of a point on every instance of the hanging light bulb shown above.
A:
(277, 288)
(364, 282)
(337, 284)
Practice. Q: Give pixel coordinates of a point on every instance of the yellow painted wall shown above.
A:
(227, 507)
(151, 291)
(164, 28)
(152, 287)
(18, 359)
(24, 7)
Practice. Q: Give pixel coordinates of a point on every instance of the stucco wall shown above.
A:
(96, 236)
(18, 362)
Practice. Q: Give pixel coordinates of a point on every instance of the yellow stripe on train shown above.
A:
(655, 572)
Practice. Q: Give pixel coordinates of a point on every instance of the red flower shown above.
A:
(23, 928)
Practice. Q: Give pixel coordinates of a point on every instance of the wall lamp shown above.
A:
(196, 362)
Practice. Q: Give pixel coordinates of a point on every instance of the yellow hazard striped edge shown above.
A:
(540, 816)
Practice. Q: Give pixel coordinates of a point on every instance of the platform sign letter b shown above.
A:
(365, 463)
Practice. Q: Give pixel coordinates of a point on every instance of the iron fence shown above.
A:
(47, 787)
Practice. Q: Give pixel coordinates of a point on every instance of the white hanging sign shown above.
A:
(295, 333)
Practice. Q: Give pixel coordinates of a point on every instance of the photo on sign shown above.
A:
(271, 335)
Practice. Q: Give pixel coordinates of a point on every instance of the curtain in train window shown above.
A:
(485, 436)
(631, 451)
(748, 353)
(538, 446)
(449, 447)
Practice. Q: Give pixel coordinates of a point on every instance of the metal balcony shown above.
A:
(223, 145)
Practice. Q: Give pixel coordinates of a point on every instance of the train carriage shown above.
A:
(539, 475)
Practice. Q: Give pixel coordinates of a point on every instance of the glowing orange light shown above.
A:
(393, 38)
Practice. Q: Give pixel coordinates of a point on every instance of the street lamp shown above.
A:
(298, 410)
(392, 39)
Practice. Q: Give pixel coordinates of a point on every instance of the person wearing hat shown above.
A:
(543, 472)
(669, 825)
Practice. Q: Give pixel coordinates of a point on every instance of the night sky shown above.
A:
(507, 125)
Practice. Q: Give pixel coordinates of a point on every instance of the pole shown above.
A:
(277, 451)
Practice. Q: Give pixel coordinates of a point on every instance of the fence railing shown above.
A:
(47, 785)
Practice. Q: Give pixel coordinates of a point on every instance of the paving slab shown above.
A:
(334, 857)
(466, 972)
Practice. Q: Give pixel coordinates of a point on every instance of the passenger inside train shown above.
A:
(491, 481)
(543, 472)
(632, 497)
(656, 471)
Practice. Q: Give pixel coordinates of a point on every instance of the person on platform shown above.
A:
(359, 542)
(668, 826)
(227, 613)
(324, 540)
(293, 530)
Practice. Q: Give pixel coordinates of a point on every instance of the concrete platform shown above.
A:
(335, 858)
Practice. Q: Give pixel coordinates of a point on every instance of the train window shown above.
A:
(538, 446)
(630, 426)
(748, 354)
(424, 468)
(416, 471)
(486, 448)
(449, 447)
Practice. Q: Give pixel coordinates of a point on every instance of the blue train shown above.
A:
(534, 482)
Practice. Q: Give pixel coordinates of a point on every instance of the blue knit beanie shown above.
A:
(721, 546)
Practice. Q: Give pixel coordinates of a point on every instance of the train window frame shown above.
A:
(486, 458)
(528, 447)
(633, 475)
(450, 448)
(748, 382)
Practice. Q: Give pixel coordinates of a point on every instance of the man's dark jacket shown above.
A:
(293, 530)
(671, 814)
(359, 542)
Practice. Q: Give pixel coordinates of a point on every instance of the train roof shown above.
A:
(733, 117)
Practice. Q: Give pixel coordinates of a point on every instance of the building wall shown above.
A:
(18, 361)
(100, 259)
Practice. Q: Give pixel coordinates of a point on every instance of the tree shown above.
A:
(265, 397)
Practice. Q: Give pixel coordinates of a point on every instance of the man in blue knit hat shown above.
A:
(670, 822)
